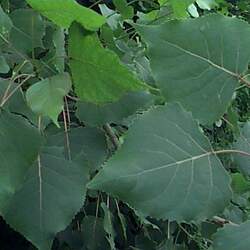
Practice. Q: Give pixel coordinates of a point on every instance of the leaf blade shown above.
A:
(162, 177)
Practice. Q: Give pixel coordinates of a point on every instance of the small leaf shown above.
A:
(180, 7)
(243, 144)
(122, 6)
(64, 12)
(233, 237)
(93, 233)
(166, 169)
(20, 143)
(197, 62)
(108, 226)
(4, 67)
(60, 53)
(46, 97)
(98, 75)
(240, 184)
(28, 30)
(52, 193)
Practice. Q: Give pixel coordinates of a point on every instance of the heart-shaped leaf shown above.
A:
(198, 62)
(46, 97)
(52, 193)
(167, 169)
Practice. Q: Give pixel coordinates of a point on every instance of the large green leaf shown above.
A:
(28, 30)
(96, 115)
(233, 237)
(20, 143)
(98, 75)
(243, 144)
(166, 168)
(46, 97)
(52, 193)
(198, 62)
(64, 12)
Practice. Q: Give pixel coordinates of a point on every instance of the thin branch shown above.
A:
(66, 134)
(112, 136)
(8, 96)
(244, 81)
(229, 151)
(221, 221)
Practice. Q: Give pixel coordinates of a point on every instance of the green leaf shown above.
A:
(46, 97)
(28, 30)
(198, 62)
(52, 193)
(122, 6)
(16, 103)
(20, 143)
(243, 144)
(60, 53)
(180, 7)
(98, 75)
(5, 25)
(239, 183)
(96, 115)
(108, 226)
(166, 169)
(93, 233)
(64, 12)
(232, 237)
(4, 67)
(86, 146)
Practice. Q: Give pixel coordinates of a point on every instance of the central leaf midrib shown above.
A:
(201, 58)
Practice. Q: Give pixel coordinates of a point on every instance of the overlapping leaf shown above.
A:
(28, 30)
(19, 147)
(96, 115)
(98, 75)
(166, 168)
(198, 62)
(85, 146)
(233, 237)
(5, 25)
(46, 97)
(243, 144)
(64, 12)
(52, 193)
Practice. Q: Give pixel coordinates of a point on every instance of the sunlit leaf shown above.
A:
(98, 75)
(64, 12)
